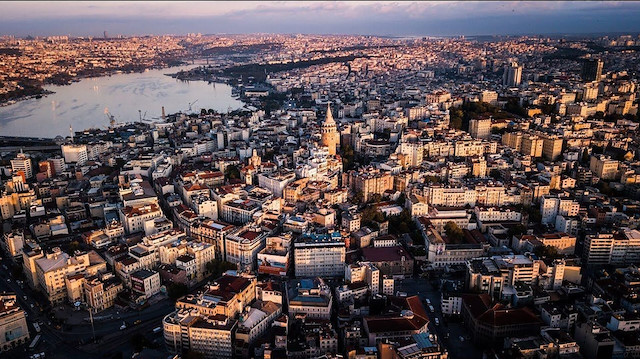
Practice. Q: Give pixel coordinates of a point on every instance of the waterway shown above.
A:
(127, 96)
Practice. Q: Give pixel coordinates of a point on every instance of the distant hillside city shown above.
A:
(376, 197)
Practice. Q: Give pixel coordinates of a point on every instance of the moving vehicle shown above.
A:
(437, 321)
(157, 330)
(431, 308)
(123, 326)
(137, 322)
(36, 327)
(35, 342)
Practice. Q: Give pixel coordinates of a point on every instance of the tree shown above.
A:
(232, 172)
(177, 290)
(203, 112)
(453, 232)
(348, 157)
(402, 223)
(534, 214)
(138, 341)
(546, 252)
(585, 157)
(216, 267)
(74, 246)
(358, 197)
(371, 217)
(190, 354)
(517, 230)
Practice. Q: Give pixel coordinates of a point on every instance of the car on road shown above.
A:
(157, 330)
(428, 301)
(437, 321)
(461, 338)
(431, 308)
(123, 326)
(137, 322)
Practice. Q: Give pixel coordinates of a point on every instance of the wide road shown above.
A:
(50, 338)
(457, 348)
(68, 343)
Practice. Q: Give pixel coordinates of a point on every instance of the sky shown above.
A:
(393, 18)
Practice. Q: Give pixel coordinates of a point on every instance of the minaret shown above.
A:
(330, 136)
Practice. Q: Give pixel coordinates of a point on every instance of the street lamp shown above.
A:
(87, 306)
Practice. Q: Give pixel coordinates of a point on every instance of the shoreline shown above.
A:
(14, 101)
(109, 73)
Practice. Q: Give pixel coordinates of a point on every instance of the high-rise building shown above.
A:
(330, 136)
(551, 147)
(480, 128)
(319, 255)
(75, 154)
(531, 145)
(512, 75)
(622, 248)
(604, 167)
(592, 70)
(22, 163)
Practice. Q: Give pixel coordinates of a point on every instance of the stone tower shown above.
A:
(330, 135)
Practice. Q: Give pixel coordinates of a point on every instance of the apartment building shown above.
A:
(134, 217)
(311, 297)
(319, 255)
(620, 248)
(243, 245)
(13, 323)
(491, 274)
(22, 164)
(53, 269)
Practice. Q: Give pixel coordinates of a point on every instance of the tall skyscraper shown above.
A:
(330, 136)
(512, 75)
(592, 70)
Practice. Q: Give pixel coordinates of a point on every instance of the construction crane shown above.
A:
(191, 104)
(110, 117)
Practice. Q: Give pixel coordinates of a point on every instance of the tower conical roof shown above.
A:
(329, 118)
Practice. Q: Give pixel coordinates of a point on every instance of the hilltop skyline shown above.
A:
(366, 18)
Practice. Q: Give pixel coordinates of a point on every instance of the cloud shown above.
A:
(364, 17)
